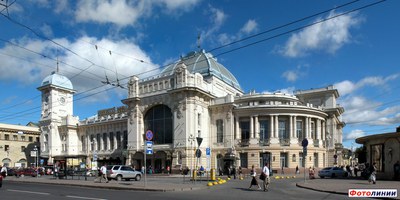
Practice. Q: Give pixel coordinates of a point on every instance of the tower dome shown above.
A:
(58, 81)
(205, 64)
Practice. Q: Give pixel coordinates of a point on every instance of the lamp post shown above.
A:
(36, 160)
(191, 141)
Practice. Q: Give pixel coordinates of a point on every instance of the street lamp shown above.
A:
(36, 160)
(191, 141)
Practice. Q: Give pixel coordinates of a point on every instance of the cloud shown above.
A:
(295, 74)
(217, 18)
(354, 134)
(249, 27)
(290, 75)
(328, 36)
(46, 30)
(27, 68)
(126, 13)
(346, 87)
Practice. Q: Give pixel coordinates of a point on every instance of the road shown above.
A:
(234, 189)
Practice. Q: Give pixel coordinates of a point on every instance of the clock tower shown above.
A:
(57, 107)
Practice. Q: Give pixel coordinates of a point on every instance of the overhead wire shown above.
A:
(363, 7)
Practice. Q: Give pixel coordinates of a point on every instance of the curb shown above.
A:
(112, 186)
(320, 190)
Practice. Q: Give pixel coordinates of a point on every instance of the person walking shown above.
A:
(240, 172)
(266, 180)
(103, 170)
(372, 177)
(297, 170)
(396, 170)
(254, 181)
(3, 171)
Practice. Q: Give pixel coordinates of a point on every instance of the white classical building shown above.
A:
(196, 97)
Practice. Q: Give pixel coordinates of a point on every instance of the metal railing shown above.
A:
(264, 142)
(284, 141)
(244, 142)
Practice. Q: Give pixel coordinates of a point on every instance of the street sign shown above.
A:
(198, 153)
(199, 140)
(149, 135)
(149, 144)
(94, 157)
(208, 152)
(304, 143)
(41, 161)
(149, 151)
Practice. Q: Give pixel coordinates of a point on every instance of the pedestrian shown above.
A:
(396, 170)
(240, 172)
(56, 169)
(297, 170)
(103, 170)
(356, 171)
(282, 172)
(168, 169)
(143, 169)
(229, 172)
(234, 172)
(372, 177)
(220, 171)
(254, 181)
(266, 180)
(3, 171)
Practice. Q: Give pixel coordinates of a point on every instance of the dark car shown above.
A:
(1, 181)
(11, 172)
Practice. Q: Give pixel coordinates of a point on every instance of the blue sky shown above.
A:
(358, 52)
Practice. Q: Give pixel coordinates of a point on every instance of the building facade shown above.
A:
(384, 150)
(197, 97)
(16, 144)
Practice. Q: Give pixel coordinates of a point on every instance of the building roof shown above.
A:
(362, 140)
(205, 64)
(57, 80)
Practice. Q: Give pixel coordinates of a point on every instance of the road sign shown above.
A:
(208, 152)
(198, 153)
(149, 135)
(41, 161)
(95, 157)
(304, 143)
(149, 144)
(199, 140)
(149, 151)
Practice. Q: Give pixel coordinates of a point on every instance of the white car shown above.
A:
(332, 172)
(120, 172)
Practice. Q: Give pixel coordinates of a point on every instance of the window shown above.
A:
(6, 137)
(159, 120)
(112, 141)
(6, 147)
(30, 139)
(282, 129)
(316, 160)
(37, 139)
(299, 129)
(243, 160)
(220, 131)
(105, 141)
(125, 141)
(301, 163)
(22, 148)
(377, 156)
(245, 126)
(264, 133)
(23, 138)
(118, 140)
(198, 119)
(15, 138)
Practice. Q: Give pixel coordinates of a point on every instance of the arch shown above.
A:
(158, 119)
(6, 162)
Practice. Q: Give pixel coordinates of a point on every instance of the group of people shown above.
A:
(264, 176)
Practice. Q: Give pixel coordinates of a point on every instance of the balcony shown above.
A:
(284, 141)
(244, 142)
(264, 142)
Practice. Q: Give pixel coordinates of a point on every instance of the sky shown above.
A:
(268, 46)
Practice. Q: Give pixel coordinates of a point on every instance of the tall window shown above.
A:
(30, 139)
(282, 129)
(243, 160)
(98, 142)
(245, 126)
(6, 137)
(105, 141)
(313, 130)
(264, 127)
(15, 138)
(220, 131)
(159, 120)
(299, 129)
(118, 140)
(125, 142)
(112, 141)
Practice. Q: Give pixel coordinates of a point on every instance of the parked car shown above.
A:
(26, 172)
(120, 172)
(332, 172)
(1, 181)
(11, 172)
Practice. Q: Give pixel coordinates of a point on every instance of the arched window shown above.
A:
(159, 120)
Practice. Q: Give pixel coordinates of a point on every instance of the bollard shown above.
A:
(213, 174)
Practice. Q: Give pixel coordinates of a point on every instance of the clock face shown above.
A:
(62, 100)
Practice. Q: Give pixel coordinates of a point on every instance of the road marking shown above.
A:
(31, 192)
(78, 197)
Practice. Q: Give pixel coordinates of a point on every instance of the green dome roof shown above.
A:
(205, 64)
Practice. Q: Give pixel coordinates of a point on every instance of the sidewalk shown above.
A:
(153, 183)
(342, 186)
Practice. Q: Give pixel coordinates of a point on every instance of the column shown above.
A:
(295, 127)
(271, 128)
(276, 126)
(290, 126)
(310, 139)
(306, 127)
(251, 127)
(257, 127)
(115, 140)
(318, 129)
